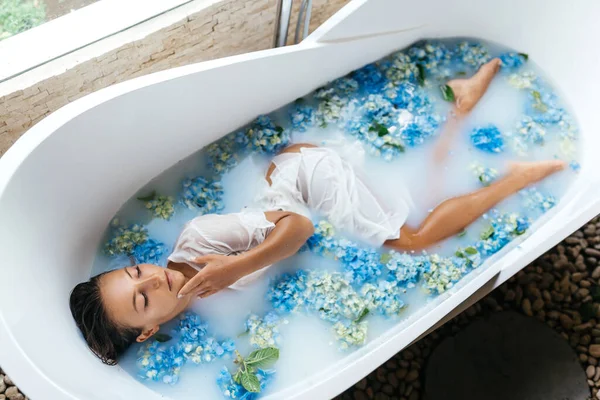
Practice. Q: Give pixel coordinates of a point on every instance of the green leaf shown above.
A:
(299, 100)
(471, 250)
(245, 333)
(150, 197)
(421, 76)
(595, 293)
(459, 253)
(447, 93)
(362, 315)
(279, 129)
(538, 103)
(385, 258)
(250, 382)
(525, 56)
(162, 337)
(463, 233)
(396, 146)
(461, 73)
(379, 128)
(587, 311)
(519, 233)
(238, 377)
(488, 233)
(263, 357)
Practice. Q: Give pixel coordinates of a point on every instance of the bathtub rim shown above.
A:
(27, 144)
(21, 367)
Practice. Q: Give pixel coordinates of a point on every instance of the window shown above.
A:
(34, 32)
(17, 16)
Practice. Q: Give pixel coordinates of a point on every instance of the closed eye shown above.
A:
(145, 300)
(139, 272)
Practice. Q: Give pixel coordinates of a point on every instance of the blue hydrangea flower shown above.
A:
(534, 200)
(123, 240)
(405, 269)
(222, 154)
(419, 121)
(543, 106)
(485, 175)
(434, 57)
(287, 294)
(398, 68)
(231, 390)
(527, 132)
(472, 54)
(149, 252)
(344, 86)
(383, 298)
(203, 194)
(369, 78)
(488, 139)
(161, 207)
(575, 166)
(441, 273)
(302, 117)
(263, 136)
(361, 264)
(374, 124)
(162, 362)
(264, 332)
(504, 227)
(512, 61)
(522, 80)
(330, 108)
(350, 334)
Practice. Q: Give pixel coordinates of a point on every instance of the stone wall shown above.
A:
(225, 28)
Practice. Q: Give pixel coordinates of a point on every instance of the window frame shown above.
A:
(54, 39)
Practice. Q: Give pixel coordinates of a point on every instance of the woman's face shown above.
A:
(143, 296)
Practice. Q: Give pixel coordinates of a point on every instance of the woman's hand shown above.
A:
(218, 273)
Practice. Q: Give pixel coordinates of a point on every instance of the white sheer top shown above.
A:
(227, 234)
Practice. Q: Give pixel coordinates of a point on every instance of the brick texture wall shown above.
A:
(226, 28)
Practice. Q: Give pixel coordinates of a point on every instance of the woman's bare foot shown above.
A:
(468, 92)
(531, 172)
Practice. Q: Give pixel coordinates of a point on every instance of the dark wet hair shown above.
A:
(104, 337)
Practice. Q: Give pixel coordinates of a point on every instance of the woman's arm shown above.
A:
(290, 233)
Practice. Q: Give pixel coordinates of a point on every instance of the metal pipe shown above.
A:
(304, 15)
(282, 22)
(307, 18)
(299, 22)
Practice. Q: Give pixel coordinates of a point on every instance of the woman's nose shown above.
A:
(151, 282)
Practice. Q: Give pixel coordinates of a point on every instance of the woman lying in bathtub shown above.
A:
(215, 252)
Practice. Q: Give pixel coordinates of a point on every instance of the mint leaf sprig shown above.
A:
(246, 373)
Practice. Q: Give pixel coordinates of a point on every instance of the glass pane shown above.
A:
(17, 16)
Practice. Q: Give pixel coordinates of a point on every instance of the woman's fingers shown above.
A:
(191, 285)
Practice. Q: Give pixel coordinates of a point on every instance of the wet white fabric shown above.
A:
(313, 180)
(319, 180)
(227, 234)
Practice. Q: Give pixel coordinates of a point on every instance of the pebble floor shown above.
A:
(561, 289)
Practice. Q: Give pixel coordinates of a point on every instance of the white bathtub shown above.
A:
(64, 179)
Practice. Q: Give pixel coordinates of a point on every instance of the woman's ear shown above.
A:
(147, 333)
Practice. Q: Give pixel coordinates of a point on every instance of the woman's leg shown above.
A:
(467, 93)
(453, 215)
